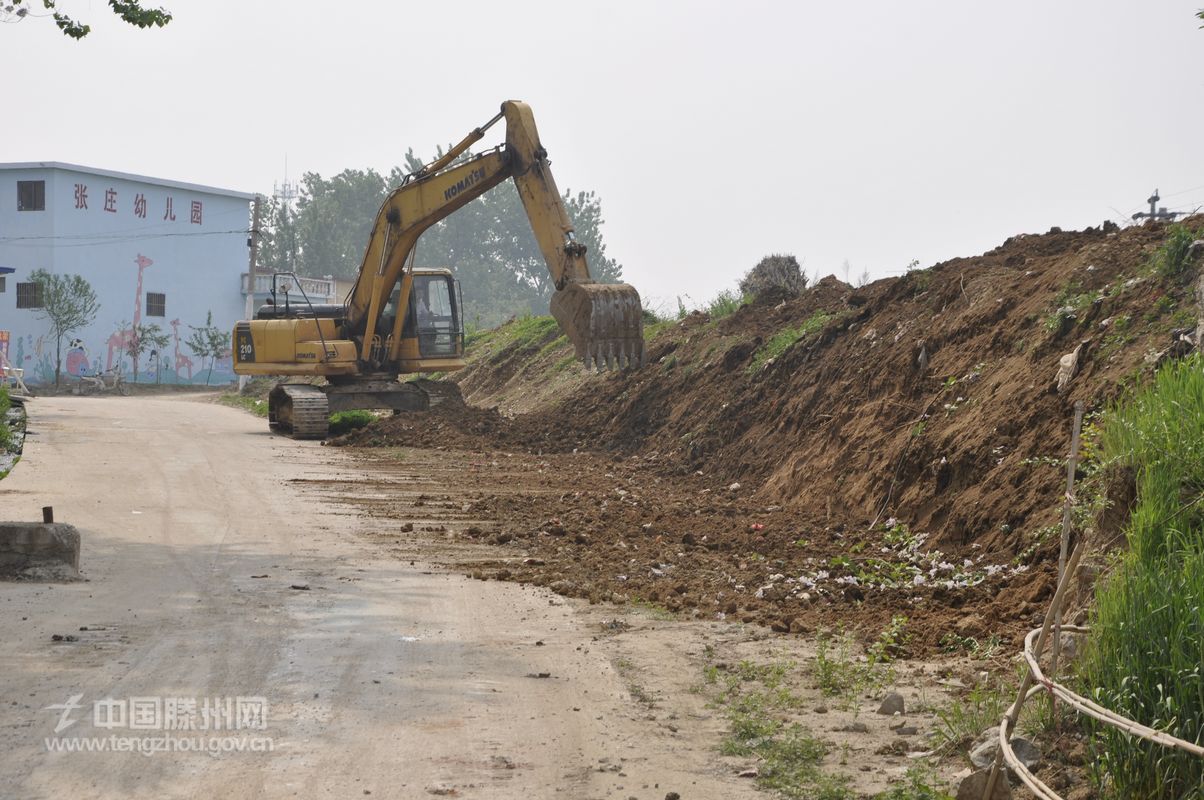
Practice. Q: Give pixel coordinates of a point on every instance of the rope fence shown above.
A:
(1036, 682)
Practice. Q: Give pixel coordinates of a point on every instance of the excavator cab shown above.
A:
(435, 316)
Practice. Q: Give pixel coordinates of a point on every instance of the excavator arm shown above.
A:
(603, 321)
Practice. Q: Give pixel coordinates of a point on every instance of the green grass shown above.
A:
(754, 697)
(253, 404)
(920, 783)
(1145, 655)
(6, 435)
(724, 304)
(1170, 259)
(965, 718)
(344, 421)
(785, 339)
(839, 674)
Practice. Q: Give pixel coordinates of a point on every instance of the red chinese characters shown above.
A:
(140, 205)
(81, 195)
(195, 215)
(111, 201)
(169, 214)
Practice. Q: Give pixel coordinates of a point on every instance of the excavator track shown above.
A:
(300, 410)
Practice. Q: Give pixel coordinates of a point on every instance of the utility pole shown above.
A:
(1155, 212)
(253, 245)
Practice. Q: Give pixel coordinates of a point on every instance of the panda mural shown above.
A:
(77, 362)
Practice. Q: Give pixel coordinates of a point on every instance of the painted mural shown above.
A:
(154, 365)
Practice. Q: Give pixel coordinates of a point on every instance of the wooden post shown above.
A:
(1072, 464)
(250, 305)
(47, 514)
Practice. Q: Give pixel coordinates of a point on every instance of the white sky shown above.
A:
(714, 132)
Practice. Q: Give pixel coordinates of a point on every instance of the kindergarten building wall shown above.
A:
(156, 252)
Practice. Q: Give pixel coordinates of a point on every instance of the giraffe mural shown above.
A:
(181, 361)
(120, 341)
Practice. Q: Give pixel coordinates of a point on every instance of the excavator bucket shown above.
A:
(604, 321)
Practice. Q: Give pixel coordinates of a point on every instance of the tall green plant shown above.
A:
(1145, 657)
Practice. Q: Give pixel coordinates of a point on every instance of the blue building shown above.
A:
(157, 253)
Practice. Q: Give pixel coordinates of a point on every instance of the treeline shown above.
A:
(488, 243)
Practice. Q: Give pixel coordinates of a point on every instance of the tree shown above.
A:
(68, 304)
(208, 341)
(131, 11)
(333, 220)
(143, 338)
(487, 243)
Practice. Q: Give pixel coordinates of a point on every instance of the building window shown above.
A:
(31, 195)
(29, 295)
(156, 304)
(2, 286)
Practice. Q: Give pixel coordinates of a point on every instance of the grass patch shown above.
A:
(1071, 303)
(1170, 259)
(753, 697)
(1145, 655)
(344, 421)
(963, 720)
(785, 339)
(920, 783)
(724, 304)
(6, 436)
(253, 404)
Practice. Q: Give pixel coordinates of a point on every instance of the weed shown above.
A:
(344, 421)
(724, 304)
(840, 674)
(785, 339)
(1170, 259)
(920, 783)
(964, 719)
(1070, 304)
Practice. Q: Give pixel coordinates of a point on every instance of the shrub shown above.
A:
(774, 274)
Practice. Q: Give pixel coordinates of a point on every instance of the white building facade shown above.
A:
(157, 253)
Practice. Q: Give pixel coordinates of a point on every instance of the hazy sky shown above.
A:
(714, 132)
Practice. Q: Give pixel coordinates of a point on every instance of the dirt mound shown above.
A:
(915, 424)
(930, 397)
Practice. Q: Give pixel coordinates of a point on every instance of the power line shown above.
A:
(95, 240)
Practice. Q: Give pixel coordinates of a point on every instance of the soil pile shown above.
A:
(925, 408)
(930, 398)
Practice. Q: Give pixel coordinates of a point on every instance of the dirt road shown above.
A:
(214, 571)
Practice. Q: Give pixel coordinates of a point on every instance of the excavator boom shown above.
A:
(603, 321)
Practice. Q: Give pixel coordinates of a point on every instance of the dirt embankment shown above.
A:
(914, 413)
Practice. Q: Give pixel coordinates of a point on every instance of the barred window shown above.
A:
(156, 304)
(29, 295)
(31, 195)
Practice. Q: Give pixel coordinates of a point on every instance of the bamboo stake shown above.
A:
(1071, 465)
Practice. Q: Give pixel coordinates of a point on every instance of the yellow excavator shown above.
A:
(399, 320)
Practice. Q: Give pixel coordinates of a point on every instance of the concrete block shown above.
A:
(39, 551)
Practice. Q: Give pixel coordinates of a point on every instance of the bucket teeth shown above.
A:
(605, 322)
